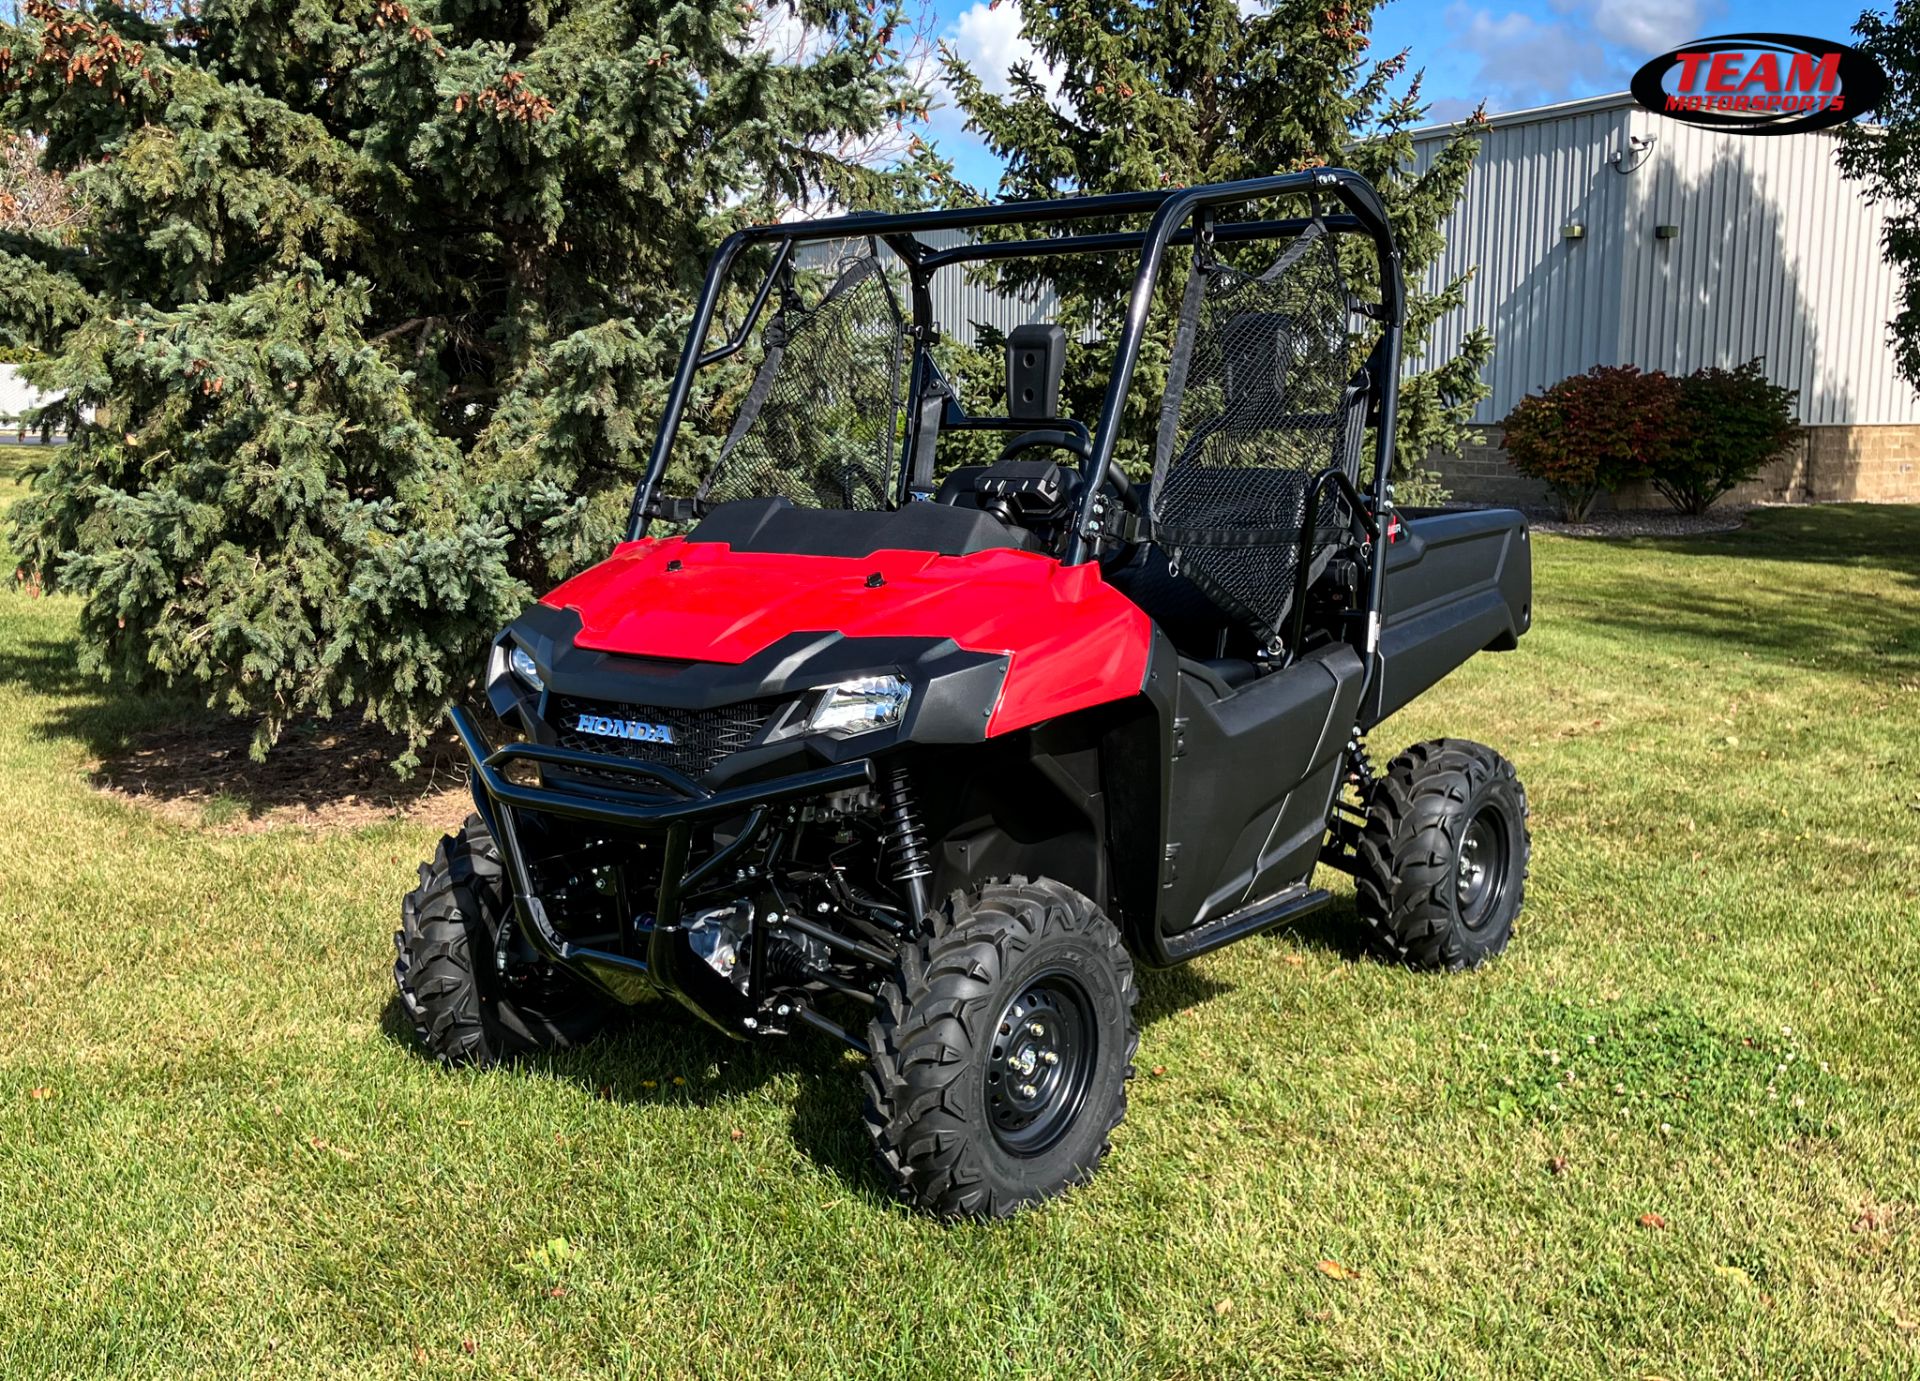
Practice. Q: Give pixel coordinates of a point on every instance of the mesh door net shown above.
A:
(821, 424)
(1261, 398)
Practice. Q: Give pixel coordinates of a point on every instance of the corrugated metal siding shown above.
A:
(1777, 256)
(961, 306)
(1550, 302)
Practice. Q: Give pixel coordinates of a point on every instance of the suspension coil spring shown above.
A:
(1360, 766)
(906, 835)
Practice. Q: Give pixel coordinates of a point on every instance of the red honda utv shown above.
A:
(928, 755)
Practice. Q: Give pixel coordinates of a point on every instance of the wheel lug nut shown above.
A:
(1048, 1057)
(1028, 1090)
(1034, 1028)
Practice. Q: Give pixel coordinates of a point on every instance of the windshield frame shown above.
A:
(1180, 216)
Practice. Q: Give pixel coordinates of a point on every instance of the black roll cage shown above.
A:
(1181, 216)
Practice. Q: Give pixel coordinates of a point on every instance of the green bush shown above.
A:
(1594, 432)
(1734, 422)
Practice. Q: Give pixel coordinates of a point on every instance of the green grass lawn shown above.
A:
(221, 1155)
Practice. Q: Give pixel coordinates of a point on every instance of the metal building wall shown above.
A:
(961, 305)
(1777, 256)
(1551, 303)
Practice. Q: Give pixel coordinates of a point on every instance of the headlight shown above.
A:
(856, 707)
(521, 661)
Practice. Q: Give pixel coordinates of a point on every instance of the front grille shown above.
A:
(701, 738)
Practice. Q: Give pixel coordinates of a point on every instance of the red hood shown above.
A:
(1072, 641)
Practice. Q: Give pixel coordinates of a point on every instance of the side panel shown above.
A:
(1456, 584)
(1253, 774)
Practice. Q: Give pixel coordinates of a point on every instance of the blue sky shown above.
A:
(1512, 55)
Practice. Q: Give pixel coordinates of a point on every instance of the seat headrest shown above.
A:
(1036, 355)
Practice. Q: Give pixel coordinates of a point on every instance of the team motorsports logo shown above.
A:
(1761, 83)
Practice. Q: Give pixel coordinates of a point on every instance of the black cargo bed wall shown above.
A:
(1456, 584)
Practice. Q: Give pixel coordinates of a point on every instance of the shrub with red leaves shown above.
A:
(1736, 422)
(1595, 432)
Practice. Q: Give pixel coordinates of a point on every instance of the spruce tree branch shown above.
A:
(411, 324)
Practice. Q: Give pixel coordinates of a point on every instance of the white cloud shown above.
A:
(987, 37)
(1649, 27)
(1579, 47)
(1447, 109)
(1524, 60)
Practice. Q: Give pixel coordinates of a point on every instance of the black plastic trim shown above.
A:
(776, 525)
(1298, 900)
(954, 690)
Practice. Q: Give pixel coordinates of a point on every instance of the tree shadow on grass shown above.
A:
(663, 1054)
(1883, 537)
(1799, 628)
(88, 711)
(169, 754)
(1810, 618)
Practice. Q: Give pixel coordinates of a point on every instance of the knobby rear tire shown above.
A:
(1412, 892)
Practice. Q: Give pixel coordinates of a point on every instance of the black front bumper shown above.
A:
(665, 804)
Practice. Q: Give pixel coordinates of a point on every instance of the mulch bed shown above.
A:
(335, 775)
(1650, 522)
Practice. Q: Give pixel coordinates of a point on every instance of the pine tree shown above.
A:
(32, 199)
(1153, 94)
(1883, 152)
(375, 300)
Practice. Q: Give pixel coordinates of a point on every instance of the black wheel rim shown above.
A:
(1481, 867)
(1040, 1063)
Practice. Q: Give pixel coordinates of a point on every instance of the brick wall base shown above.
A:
(1829, 465)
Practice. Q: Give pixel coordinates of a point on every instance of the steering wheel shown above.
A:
(1074, 437)
(1068, 436)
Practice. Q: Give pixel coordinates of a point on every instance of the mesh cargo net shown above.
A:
(1261, 398)
(821, 424)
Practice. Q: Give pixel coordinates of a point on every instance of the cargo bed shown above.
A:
(1457, 582)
